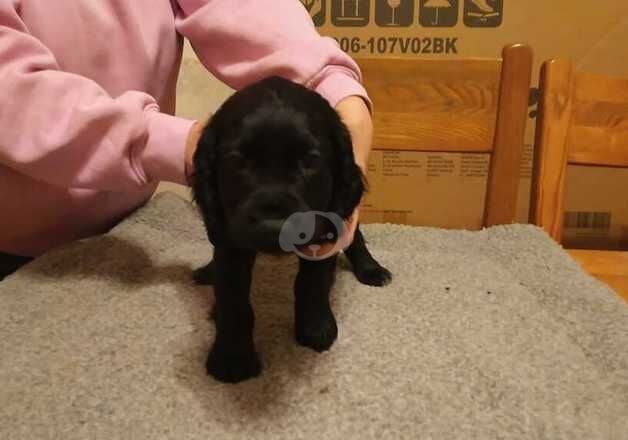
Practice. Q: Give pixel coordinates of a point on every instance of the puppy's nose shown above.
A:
(272, 205)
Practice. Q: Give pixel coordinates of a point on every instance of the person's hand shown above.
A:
(356, 116)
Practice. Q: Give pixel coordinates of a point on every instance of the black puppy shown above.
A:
(272, 154)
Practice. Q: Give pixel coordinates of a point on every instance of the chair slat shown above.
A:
(503, 177)
(550, 161)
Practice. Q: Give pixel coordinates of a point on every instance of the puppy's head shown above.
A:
(272, 153)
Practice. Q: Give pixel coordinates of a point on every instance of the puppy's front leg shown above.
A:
(315, 325)
(233, 357)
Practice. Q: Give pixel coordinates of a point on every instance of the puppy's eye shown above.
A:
(235, 158)
(311, 159)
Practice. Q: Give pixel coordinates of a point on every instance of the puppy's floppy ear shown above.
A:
(349, 181)
(204, 184)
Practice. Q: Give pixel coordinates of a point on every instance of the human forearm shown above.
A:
(357, 117)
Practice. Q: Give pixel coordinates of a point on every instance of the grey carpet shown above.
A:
(494, 334)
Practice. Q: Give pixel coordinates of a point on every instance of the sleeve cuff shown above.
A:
(339, 85)
(163, 158)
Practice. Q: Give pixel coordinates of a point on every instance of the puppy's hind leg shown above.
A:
(366, 269)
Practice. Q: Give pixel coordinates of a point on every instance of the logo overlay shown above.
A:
(301, 233)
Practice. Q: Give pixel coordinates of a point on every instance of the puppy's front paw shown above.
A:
(317, 333)
(373, 274)
(233, 368)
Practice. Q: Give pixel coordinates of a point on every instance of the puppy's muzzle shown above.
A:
(261, 219)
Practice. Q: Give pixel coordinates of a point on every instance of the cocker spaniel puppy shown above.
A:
(275, 173)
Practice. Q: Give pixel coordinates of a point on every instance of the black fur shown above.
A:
(273, 149)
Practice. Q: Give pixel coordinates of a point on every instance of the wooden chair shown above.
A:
(457, 106)
(582, 120)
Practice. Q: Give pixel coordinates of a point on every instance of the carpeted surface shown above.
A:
(494, 334)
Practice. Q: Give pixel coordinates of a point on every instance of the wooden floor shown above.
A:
(610, 267)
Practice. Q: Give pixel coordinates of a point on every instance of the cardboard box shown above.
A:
(451, 187)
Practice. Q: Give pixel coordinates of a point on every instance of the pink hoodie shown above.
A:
(87, 90)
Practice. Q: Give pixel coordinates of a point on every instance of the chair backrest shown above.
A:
(457, 106)
(582, 120)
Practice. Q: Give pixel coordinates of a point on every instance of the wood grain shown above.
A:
(503, 177)
(550, 158)
(432, 132)
(598, 134)
(598, 146)
(433, 105)
(602, 114)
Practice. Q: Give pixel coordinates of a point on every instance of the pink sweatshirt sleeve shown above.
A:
(241, 42)
(64, 129)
